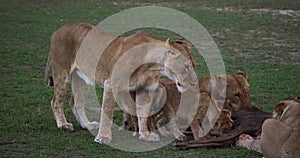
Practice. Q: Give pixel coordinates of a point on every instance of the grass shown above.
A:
(265, 44)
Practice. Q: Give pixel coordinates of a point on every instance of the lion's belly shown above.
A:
(89, 55)
(86, 79)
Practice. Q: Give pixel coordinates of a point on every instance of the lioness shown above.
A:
(237, 96)
(237, 88)
(87, 55)
(280, 135)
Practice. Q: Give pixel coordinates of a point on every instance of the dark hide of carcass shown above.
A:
(245, 121)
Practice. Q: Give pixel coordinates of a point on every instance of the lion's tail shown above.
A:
(48, 79)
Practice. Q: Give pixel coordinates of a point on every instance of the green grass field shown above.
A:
(259, 36)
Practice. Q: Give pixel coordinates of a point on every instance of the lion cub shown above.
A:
(237, 96)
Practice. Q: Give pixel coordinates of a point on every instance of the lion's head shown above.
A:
(179, 65)
(237, 88)
(283, 109)
(237, 91)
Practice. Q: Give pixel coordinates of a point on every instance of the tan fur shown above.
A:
(249, 142)
(222, 125)
(278, 110)
(237, 94)
(74, 56)
(164, 116)
(280, 135)
(237, 90)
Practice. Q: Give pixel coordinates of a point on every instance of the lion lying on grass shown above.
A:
(237, 96)
(84, 55)
(280, 135)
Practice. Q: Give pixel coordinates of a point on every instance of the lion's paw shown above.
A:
(149, 136)
(163, 131)
(102, 140)
(121, 128)
(135, 134)
(103, 136)
(243, 139)
(181, 137)
(92, 125)
(68, 126)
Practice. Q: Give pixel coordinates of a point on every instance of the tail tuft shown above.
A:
(47, 78)
(49, 81)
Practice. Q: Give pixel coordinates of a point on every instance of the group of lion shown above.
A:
(83, 55)
(237, 97)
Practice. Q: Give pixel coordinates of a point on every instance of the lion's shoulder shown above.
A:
(167, 82)
(141, 37)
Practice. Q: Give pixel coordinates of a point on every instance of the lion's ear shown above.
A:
(279, 108)
(184, 42)
(242, 73)
(169, 42)
(180, 41)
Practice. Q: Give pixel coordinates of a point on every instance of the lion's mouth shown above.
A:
(181, 88)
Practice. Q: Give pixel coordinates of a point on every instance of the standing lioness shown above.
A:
(88, 54)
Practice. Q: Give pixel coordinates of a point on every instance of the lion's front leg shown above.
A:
(144, 133)
(175, 130)
(104, 134)
(144, 103)
(169, 112)
(195, 126)
(80, 92)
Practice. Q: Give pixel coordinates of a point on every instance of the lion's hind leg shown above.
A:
(60, 94)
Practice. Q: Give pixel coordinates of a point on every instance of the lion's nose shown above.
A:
(192, 83)
(179, 84)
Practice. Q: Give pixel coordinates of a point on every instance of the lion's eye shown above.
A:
(173, 54)
(247, 92)
(187, 66)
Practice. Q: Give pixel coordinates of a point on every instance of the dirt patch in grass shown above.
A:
(294, 54)
(277, 11)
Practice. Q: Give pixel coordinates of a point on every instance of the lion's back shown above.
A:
(66, 41)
